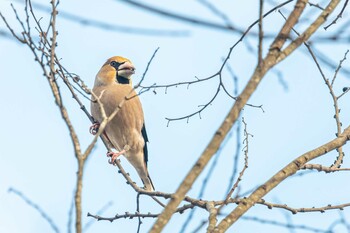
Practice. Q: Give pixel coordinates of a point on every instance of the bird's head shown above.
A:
(116, 69)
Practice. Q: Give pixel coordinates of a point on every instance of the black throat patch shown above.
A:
(122, 80)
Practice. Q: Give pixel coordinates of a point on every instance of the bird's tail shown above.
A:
(147, 182)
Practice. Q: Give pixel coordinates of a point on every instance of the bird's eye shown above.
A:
(114, 64)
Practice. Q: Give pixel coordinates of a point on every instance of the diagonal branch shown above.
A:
(287, 171)
(229, 120)
(338, 16)
(37, 208)
(299, 162)
(212, 216)
(309, 31)
(177, 16)
(88, 22)
(329, 84)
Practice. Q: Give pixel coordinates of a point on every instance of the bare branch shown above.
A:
(45, 54)
(338, 16)
(285, 225)
(261, 32)
(88, 22)
(177, 16)
(212, 216)
(101, 211)
(5, 34)
(270, 222)
(245, 148)
(126, 215)
(228, 122)
(195, 21)
(303, 209)
(287, 171)
(206, 180)
(339, 159)
(37, 208)
(345, 90)
(339, 67)
(322, 57)
(316, 5)
(138, 211)
(217, 12)
(70, 215)
(148, 65)
(309, 31)
(204, 106)
(238, 136)
(322, 168)
(135, 215)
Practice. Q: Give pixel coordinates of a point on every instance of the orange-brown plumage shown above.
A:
(127, 129)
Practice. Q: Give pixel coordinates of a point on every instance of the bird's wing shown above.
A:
(145, 138)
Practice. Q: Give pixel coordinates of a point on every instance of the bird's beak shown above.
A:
(127, 68)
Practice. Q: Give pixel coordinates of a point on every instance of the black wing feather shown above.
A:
(145, 138)
(145, 150)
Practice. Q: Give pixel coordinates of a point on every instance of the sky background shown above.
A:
(36, 155)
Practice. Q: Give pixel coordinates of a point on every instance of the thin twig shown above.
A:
(285, 225)
(99, 212)
(70, 215)
(147, 67)
(276, 55)
(261, 32)
(338, 16)
(270, 222)
(238, 135)
(316, 5)
(217, 12)
(89, 22)
(205, 182)
(138, 211)
(339, 67)
(245, 148)
(177, 16)
(337, 163)
(322, 168)
(35, 206)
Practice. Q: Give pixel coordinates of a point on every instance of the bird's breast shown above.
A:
(124, 129)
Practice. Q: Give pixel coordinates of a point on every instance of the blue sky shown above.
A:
(37, 157)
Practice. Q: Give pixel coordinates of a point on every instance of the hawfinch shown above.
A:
(126, 131)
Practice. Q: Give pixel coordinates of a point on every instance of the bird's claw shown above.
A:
(94, 128)
(114, 156)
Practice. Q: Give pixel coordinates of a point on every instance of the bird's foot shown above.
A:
(94, 128)
(114, 156)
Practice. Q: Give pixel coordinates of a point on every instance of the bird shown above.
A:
(126, 131)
